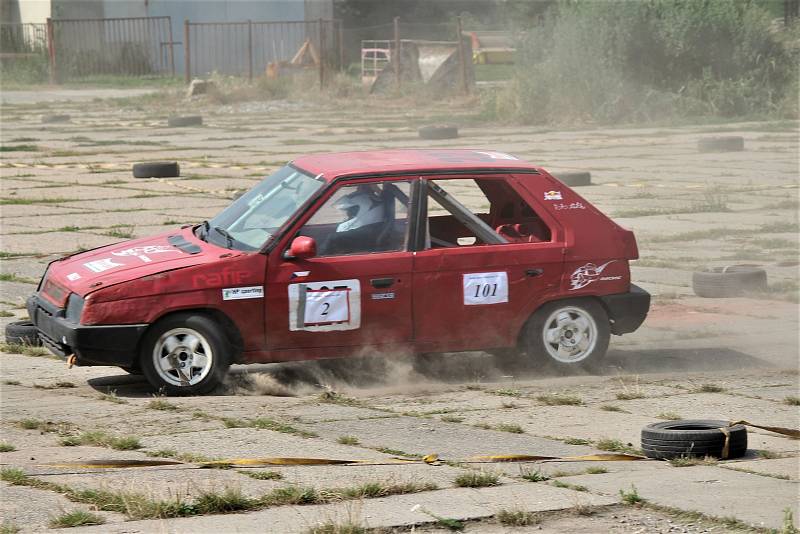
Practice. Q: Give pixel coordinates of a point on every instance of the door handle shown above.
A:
(382, 282)
(533, 273)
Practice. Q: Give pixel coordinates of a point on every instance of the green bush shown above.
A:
(651, 59)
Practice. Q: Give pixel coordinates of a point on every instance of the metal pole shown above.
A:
(321, 55)
(250, 50)
(51, 51)
(341, 45)
(171, 47)
(462, 57)
(396, 58)
(187, 53)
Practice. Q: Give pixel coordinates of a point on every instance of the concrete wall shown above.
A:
(33, 10)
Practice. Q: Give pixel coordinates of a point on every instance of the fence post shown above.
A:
(51, 52)
(321, 55)
(341, 46)
(396, 59)
(171, 47)
(462, 57)
(187, 53)
(250, 50)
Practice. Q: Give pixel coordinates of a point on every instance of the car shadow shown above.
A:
(679, 360)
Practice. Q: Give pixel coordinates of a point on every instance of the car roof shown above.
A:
(335, 165)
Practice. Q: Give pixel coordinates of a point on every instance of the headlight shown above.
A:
(74, 308)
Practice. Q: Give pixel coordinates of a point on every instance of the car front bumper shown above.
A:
(92, 345)
(627, 311)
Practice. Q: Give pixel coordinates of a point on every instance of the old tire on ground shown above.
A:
(22, 333)
(157, 169)
(438, 132)
(185, 354)
(49, 119)
(729, 281)
(567, 335)
(732, 143)
(187, 120)
(574, 179)
(692, 437)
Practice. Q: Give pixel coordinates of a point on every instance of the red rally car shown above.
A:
(412, 251)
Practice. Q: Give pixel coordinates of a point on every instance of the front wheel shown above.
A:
(567, 335)
(185, 354)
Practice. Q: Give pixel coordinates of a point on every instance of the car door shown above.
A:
(356, 290)
(472, 290)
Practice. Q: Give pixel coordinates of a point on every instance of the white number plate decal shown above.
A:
(485, 288)
(325, 306)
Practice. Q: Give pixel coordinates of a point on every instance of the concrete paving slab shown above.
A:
(449, 440)
(710, 490)
(778, 467)
(386, 512)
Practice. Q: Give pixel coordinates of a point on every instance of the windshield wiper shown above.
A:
(228, 237)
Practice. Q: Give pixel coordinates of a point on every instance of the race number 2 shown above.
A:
(485, 288)
(326, 307)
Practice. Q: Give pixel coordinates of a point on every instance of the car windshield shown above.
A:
(253, 218)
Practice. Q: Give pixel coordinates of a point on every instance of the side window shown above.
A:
(489, 203)
(361, 219)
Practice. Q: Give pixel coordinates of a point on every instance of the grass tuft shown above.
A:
(76, 518)
(98, 438)
(710, 388)
(477, 479)
(688, 461)
(577, 441)
(6, 447)
(630, 395)
(262, 475)
(615, 445)
(510, 427)
(161, 404)
(347, 440)
(452, 419)
(611, 408)
(555, 399)
(792, 401)
(631, 497)
(534, 476)
(596, 470)
(331, 527)
(517, 517)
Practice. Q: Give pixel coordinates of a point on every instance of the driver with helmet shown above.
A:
(364, 213)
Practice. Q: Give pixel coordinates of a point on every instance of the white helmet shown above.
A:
(361, 207)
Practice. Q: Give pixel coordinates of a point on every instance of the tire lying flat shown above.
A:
(731, 143)
(157, 169)
(693, 437)
(438, 132)
(729, 281)
(49, 119)
(22, 333)
(188, 120)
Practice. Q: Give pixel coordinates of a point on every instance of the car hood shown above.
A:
(112, 264)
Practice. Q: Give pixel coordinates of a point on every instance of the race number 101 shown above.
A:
(485, 288)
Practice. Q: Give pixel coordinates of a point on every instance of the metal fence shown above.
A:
(123, 46)
(22, 39)
(247, 48)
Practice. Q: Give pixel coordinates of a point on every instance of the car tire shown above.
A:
(575, 179)
(182, 121)
(200, 348)
(729, 281)
(157, 169)
(732, 143)
(555, 332)
(693, 437)
(438, 132)
(49, 119)
(22, 333)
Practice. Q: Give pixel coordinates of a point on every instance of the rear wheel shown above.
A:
(185, 354)
(567, 335)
